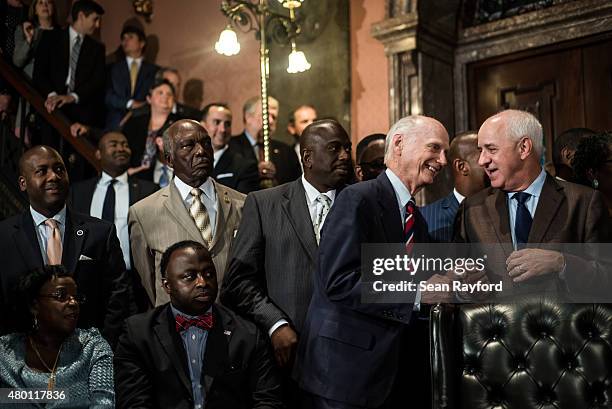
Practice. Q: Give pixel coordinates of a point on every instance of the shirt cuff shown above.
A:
(52, 94)
(75, 96)
(277, 325)
(129, 104)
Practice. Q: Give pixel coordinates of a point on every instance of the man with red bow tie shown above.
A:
(191, 352)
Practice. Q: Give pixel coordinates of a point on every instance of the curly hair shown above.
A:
(29, 288)
(591, 153)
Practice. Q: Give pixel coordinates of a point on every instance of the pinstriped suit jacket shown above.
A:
(269, 276)
(162, 219)
(440, 217)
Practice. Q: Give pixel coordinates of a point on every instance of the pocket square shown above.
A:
(83, 257)
(225, 175)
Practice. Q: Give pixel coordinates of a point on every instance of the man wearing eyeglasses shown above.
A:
(51, 233)
(370, 157)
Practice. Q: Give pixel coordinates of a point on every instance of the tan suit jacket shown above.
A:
(162, 219)
(566, 213)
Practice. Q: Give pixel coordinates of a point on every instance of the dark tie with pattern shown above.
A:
(522, 223)
(108, 209)
(409, 225)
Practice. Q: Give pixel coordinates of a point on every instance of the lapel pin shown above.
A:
(80, 232)
(226, 198)
(227, 332)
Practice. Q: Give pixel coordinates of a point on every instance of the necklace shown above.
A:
(51, 383)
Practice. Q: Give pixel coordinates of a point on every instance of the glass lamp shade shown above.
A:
(297, 62)
(228, 43)
(291, 3)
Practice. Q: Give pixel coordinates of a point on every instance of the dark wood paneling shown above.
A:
(597, 68)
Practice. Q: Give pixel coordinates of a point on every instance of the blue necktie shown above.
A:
(522, 223)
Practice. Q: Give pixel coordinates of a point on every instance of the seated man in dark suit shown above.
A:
(191, 352)
(129, 79)
(230, 169)
(109, 196)
(468, 177)
(284, 165)
(51, 233)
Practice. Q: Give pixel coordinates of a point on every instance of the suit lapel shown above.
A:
(177, 210)
(134, 189)
(173, 345)
(89, 192)
(27, 242)
(294, 206)
(389, 213)
(217, 351)
(497, 212)
(224, 206)
(74, 236)
(548, 204)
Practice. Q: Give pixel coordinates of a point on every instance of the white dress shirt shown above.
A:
(217, 155)
(122, 205)
(460, 198)
(43, 232)
(253, 145)
(208, 198)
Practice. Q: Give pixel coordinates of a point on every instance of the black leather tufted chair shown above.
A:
(536, 354)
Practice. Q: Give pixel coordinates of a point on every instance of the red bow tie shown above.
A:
(204, 322)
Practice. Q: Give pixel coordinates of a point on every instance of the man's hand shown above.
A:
(435, 297)
(284, 342)
(267, 170)
(138, 104)
(78, 129)
(526, 264)
(57, 101)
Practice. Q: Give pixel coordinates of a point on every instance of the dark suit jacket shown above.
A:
(269, 276)
(151, 364)
(440, 217)
(136, 130)
(234, 172)
(566, 213)
(350, 350)
(284, 158)
(101, 278)
(118, 89)
(51, 71)
(81, 193)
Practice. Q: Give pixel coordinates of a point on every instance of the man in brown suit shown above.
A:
(192, 207)
(525, 206)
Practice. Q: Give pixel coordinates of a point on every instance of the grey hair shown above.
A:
(523, 123)
(168, 142)
(251, 103)
(403, 126)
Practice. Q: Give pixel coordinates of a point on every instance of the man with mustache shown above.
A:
(468, 177)
(192, 352)
(193, 206)
(269, 276)
(109, 196)
(51, 233)
(355, 354)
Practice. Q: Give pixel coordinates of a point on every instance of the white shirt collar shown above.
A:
(250, 138)
(460, 198)
(217, 155)
(535, 188)
(130, 59)
(401, 191)
(106, 178)
(38, 218)
(312, 193)
(73, 35)
(185, 190)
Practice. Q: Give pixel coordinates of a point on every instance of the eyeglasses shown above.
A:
(63, 296)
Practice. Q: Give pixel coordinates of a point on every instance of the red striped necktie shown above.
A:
(409, 225)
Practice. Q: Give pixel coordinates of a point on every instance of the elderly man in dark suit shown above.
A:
(269, 277)
(129, 79)
(468, 178)
(361, 355)
(110, 195)
(51, 233)
(525, 205)
(69, 69)
(230, 168)
(191, 352)
(284, 165)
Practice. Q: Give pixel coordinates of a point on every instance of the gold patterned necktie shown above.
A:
(133, 76)
(200, 216)
(54, 243)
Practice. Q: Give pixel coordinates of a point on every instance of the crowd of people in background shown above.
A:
(174, 279)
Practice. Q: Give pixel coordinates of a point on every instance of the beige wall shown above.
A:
(188, 29)
(369, 74)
